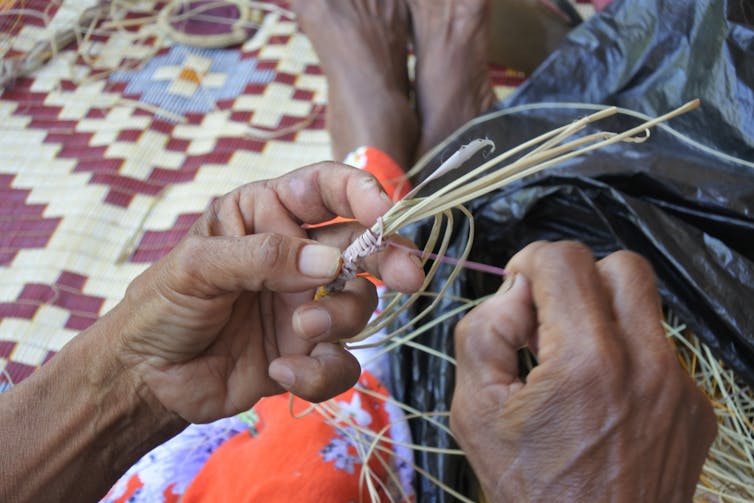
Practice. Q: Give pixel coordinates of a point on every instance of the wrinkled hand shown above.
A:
(606, 415)
(227, 317)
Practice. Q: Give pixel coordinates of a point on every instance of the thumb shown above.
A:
(208, 266)
(487, 341)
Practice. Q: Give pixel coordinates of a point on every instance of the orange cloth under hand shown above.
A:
(299, 460)
(384, 168)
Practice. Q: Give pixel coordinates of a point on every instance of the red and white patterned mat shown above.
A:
(102, 171)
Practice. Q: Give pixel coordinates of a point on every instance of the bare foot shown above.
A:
(362, 47)
(452, 74)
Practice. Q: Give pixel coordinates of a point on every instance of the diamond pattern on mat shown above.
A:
(22, 225)
(17, 373)
(192, 80)
(16, 363)
(66, 293)
(19, 32)
(134, 157)
(155, 244)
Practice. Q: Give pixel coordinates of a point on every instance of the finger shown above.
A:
(638, 313)
(312, 195)
(397, 267)
(319, 192)
(224, 217)
(488, 338)
(328, 371)
(207, 266)
(573, 310)
(636, 304)
(337, 316)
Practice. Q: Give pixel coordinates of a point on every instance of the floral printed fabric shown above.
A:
(164, 473)
(269, 455)
(307, 458)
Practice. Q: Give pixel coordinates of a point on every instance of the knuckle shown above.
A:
(629, 262)
(215, 207)
(213, 214)
(463, 326)
(602, 365)
(187, 256)
(465, 331)
(571, 249)
(661, 379)
(653, 379)
(224, 214)
(561, 254)
(270, 251)
(137, 288)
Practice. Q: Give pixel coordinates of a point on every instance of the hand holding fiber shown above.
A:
(606, 413)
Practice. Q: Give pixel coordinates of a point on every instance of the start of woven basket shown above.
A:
(545, 151)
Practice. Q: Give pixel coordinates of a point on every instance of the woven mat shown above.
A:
(99, 177)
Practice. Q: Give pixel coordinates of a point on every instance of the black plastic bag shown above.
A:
(686, 208)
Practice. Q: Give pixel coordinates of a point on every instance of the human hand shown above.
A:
(227, 317)
(606, 415)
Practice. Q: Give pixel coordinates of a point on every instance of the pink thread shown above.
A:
(466, 264)
(371, 242)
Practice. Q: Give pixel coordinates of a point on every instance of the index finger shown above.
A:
(310, 195)
(574, 312)
(319, 192)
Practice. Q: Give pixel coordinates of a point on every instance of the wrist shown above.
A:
(128, 421)
(75, 425)
(128, 368)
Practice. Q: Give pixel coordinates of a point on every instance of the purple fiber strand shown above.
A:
(468, 264)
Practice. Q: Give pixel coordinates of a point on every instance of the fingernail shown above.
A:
(318, 261)
(510, 280)
(312, 322)
(282, 374)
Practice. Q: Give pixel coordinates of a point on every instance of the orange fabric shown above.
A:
(134, 484)
(290, 459)
(170, 496)
(384, 168)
